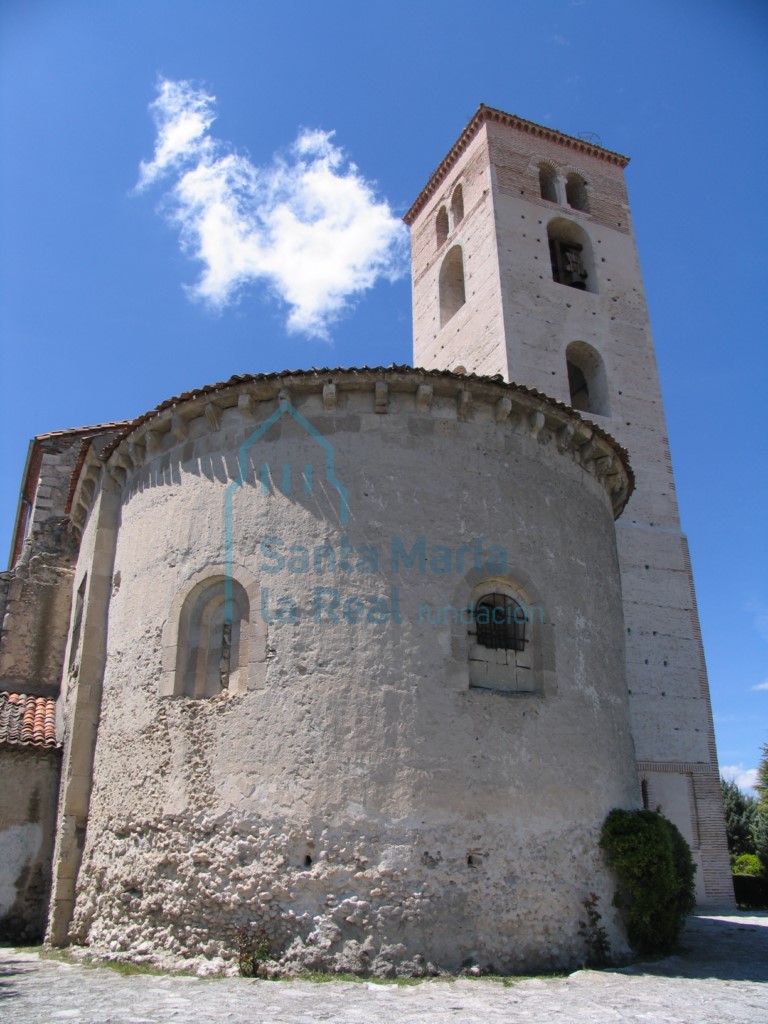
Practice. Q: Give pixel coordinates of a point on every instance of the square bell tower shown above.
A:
(525, 265)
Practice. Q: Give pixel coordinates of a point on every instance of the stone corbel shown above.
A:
(136, 451)
(536, 421)
(503, 409)
(77, 516)
(588, 451)
(213, 415)
(381, 396)
(121, 460)
(329, 396)
(116, 474)
(151, 442)
(602, 466)
(424, 395)
(463, 403)
(565, 436)
(246, 406)
(88, 488)
(179, 427)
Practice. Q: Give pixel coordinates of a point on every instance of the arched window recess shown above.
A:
(451, 284)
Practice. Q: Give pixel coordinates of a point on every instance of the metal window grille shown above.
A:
(500, 623)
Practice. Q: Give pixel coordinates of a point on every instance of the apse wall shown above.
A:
(306, 729)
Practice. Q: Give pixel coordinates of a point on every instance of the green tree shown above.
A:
(762, 781)
(761, 828)
(741, 820)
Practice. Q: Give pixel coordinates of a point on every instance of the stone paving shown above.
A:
(719, 978)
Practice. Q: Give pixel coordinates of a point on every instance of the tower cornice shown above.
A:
(483, 115)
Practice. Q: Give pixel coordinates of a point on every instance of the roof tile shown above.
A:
(27, 720)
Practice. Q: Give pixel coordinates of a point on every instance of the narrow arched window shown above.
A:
(451, 284)
(576, 192)
(441, 226)
(500, 623)
(213, 638)
(547, 185)
(457, 206)
(503, 631)
(587, 382)
(570, 253)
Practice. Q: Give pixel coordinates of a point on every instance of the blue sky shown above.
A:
(102, 315)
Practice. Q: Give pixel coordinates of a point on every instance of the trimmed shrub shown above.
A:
(748, 864)
(654, 871)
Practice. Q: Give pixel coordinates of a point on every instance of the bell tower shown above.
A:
(525, 264)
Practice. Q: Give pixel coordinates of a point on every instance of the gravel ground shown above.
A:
(719, 977)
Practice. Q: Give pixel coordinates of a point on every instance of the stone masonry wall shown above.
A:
(357, 801)
(28, 798)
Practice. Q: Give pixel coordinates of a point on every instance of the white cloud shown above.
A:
(745, 778)
(761, 686)
(308, 225)
(182, 116)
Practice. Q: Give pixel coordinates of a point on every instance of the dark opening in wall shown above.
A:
(576, 192)
(570, 252)
(587, 381)
(451, 284)
(547, 185)
(567, 264)
(441, 226)
(457, 206)
(577, 384)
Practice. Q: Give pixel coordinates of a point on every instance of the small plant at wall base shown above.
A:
(655, 874)
(598, 949)
(252, 950)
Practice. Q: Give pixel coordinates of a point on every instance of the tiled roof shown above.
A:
(328, 372)
(89, 431)
(27, 721)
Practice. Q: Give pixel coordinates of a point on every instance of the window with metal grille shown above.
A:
(500, 623)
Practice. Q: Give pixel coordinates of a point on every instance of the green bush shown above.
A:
(748, 864)
(655, 872)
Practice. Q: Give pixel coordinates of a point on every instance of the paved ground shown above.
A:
(720, 978)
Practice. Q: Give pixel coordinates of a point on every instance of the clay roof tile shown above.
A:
(27, 721)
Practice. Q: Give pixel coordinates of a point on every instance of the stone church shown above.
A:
(360, 659)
